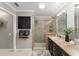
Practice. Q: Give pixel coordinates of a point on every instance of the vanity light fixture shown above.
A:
(58, 15)
(64, 11)
(41, 5)
(61, 13)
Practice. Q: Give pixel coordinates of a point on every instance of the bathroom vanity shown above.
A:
(46, 37)
(59, 47)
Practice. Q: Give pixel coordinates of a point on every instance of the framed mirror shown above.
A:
(61, 23)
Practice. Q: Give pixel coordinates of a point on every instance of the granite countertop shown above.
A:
(71, 49)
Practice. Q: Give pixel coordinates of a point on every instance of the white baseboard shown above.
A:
(6, 50)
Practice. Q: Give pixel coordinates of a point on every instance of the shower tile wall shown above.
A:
(52, 24)
(40, 22)
(39, 31)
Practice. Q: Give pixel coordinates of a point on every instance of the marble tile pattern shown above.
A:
(41, 53)
(53, 25)
(40, 23)
(26, 53)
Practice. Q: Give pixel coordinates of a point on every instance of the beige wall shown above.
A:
(27, 43)
(6, 31)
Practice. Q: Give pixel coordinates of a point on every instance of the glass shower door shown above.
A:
(39, 41)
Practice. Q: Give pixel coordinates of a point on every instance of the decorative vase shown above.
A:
(67, 38)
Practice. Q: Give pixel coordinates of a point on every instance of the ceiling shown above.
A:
(51, 8)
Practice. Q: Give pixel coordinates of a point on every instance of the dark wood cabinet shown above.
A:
(55, 50)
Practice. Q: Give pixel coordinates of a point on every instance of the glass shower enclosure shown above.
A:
(40, 29)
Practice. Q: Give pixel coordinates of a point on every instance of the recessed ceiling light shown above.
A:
(41, 6)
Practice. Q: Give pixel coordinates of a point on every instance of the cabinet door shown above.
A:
(65, 54)
(59, 51)
(50, 46)
(55, 50)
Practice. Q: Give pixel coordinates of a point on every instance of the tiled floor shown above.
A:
(27, 53)
(41, 53)
(39, 46)
(35, 48)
